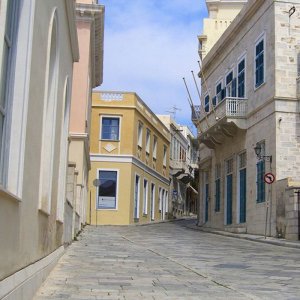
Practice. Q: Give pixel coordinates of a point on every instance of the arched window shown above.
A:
(63, 152)
(49, 116)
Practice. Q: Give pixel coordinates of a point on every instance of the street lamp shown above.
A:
(257, 150)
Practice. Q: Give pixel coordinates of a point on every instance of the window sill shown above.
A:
(44, 212)
(259, 86)
(104, 140)
(106, 209)
(8, 195)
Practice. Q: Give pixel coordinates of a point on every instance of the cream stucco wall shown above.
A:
(32, 236)
(125, 156)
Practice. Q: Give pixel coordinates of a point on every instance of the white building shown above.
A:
(38, 48)
(249, 99)
(183, 162)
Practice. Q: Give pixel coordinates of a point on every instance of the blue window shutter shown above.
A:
(234, 87)
(223, 93)
(214, 101)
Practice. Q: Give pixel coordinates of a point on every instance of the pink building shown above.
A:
(88, 73)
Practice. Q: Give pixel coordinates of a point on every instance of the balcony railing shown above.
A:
(229, 107)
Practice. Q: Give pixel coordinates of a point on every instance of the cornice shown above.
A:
(94, 14)
(70, 8)
(230, 33)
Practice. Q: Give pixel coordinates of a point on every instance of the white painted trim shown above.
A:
(49, 107)
(137, 216)
(152, 201)
(128, 159)
(140, 135)
(30, 275)
(15, 159)
(117, 190)
(145, 195)
(63, 167)
(261, 37)
(100, 126)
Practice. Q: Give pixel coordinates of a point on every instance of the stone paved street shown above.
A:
(171, 261)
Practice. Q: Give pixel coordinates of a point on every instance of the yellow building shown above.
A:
(129, 176)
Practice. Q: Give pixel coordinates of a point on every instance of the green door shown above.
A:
(229, 199)
(243, 196)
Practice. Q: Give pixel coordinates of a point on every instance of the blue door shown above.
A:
(229, 199)
(206, 201)
(243, 196)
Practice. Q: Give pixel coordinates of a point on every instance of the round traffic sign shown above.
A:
(269, 178)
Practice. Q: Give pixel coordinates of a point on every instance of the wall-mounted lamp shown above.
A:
(258, 149)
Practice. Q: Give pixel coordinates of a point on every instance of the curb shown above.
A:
(258, 239)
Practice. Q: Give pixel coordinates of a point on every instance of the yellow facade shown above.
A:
(123, 134)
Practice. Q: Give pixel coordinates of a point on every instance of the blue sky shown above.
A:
(149, 45)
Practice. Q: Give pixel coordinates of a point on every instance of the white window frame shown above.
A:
(261, 37)
(49, 118)
(219, 81)
(155, 141)
(152, 200)
(145, 196)
(137, 216)
(65, 111)
(117, 190)
(230, 84)
(148, 139)
(240, 59)
(17, 106)
(140, 134)
(165, 156)
(107, 117)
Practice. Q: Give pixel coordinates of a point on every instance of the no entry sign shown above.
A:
(269, 178)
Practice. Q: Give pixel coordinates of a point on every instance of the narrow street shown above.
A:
(171, 261)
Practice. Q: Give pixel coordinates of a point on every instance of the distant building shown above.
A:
(220, 15)
(183, 163)
(88, 73)
(250, 100)
(38, 47)
(129, 177)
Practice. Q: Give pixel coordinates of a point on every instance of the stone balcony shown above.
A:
(224, 120)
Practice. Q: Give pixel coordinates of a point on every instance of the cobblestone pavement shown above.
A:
(171, 261)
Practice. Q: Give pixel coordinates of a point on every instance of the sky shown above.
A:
(149, 46)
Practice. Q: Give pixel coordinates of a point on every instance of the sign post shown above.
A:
(269, 178)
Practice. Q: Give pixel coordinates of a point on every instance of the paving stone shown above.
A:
(171, 261)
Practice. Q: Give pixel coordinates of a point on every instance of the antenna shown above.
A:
(173, 110)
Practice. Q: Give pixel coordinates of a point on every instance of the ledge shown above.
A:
(8, 195)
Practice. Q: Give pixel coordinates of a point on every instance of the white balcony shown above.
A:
(223, 120)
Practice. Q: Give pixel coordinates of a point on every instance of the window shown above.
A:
(259, 63)
(137, 197)
(206, 103)
(148, 141)
(107, 190)
(110, 128)
(152, 201)
(145, 197)
(10, 27)
(165, 156)
(260, 172)
(219, 92)
(241, 79)
(160, 204)
(154, 147)
(217, 187)
(140, 135)
(230, 85)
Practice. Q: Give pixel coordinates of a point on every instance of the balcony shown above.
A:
(223, 121)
